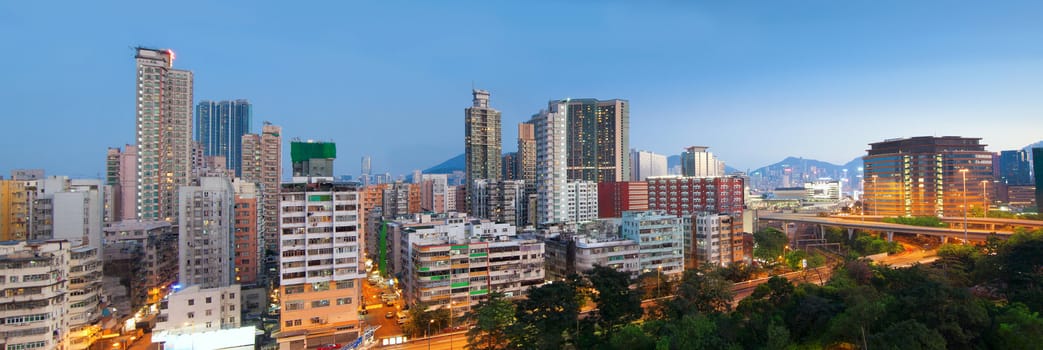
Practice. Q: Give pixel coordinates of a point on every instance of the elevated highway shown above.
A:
(852, 224)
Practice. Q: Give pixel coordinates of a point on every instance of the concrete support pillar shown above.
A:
(850, 233)
(945, 239)
(821, 231)
(890, 236)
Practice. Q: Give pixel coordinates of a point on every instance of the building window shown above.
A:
(191, 302)
(191, 315)
(209, 300)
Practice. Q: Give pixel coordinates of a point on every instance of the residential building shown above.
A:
(616, 197)
(509, 164)
(482, 145)
(551, 164)
(926, 176)
(247, 247)
(579, 254)
(142, 258)
(312, 159)
(502, 201)
(458, 199)
(195, 316)
(371, 209)
(582, 203)
(70, 209)
(262, 163)
(526, 158)
(27, 174)
(321, 263)
(458, 264)
(1037, 172)
(401, 198)
(16, 203)
(646, 164)
(660, 236)
(121, 170)
(714, 239)
(433, 193)
(220, 127)
(697, 161)
(684, 196)
(85, 286)
(598, 139)
(206, 233)
(164, 133)
(36, 302)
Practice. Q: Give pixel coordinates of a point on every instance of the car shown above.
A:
(389, 303)
(390, 314)
(363, 312)
(329, 347)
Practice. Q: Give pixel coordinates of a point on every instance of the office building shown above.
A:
(684, 196)
(660, 236)
(501, 201)
(164, 133)
(697, 161)
(714, 239)
(262, 163)
(1015, 168)
(459, 263)
(598, 139)
(822, 190)
(646, 164)
(206, 233)
(220, 127)
(525, 164)
(926, 176)
(551, 164)
(312, 159)
(616, 197)
(321, 263)
(1037, 172)
(582, 201)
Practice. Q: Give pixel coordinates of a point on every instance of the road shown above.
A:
(847, 222)
(377, 310)
(457, 341)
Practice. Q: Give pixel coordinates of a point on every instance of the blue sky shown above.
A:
(755, 81)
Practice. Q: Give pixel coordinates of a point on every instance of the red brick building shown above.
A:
(616, 197)
(684, 196)
(247, 247)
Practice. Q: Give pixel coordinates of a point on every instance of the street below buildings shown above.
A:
(450, 341)
(376, 310)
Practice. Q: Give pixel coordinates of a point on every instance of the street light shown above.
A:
(429, 323)
(963, 172)
(985, 200)
(659, 277)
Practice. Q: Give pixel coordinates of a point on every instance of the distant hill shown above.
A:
(805, 164)
(448, 166)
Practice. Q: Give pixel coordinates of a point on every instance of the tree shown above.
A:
(907, 334)
(700, 292)
(1015, 327)
(769, 244)
(420, 320)
(631, 337)
(492, 317)
(653, 284)
(617, 304)
(543, 317)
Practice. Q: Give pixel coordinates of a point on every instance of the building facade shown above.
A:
(1015, 168)
(926, 176)
(684, 196)
(206, 234)
(164, 133)
(579, 254)
(598, 140)
(660, 236)
(142, 257)
(697, 161)
(482, 139)
(715, 239)
(646, 164)
(582, 201)
(247, 248)
(616, 197)
(262, 163)
(433, 193)
(321, 263)
(220, 127)
(551, 164)
(501, 201)
(526, 158)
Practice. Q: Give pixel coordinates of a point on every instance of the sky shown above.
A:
(756, 81)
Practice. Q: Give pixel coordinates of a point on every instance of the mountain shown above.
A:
(448, 166)
(822, 169)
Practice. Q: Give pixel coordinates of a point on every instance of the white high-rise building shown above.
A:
(206, 231)
(551, 164)
(582, 201)
(320, 263)
(164, 133)
(697, 161)
(645, 164)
